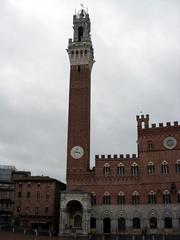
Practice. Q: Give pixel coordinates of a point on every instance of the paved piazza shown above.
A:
(17, 236)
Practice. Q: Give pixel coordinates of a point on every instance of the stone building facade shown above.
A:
(122, 193)
(37, 203)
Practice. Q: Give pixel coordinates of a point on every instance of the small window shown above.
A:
(120, 169)
(18, 209)
(29, 184)
(93, 222)
(150, 146)
(80, 34)
(28, 194)
(46, 209)
(79, 68)
(152, 197)
(178, 196)
(93, 198)
(19, 194)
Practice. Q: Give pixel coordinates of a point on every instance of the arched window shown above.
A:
(80, 34)
(106, 169)
(136, 223)
(93, 198)
(153, 222)
(106, 198)
(152, 197)
(135, 198)
(150, 146)
(166, 197)
(121, 224)
(150, 168)
(93, 222)
(167, 222)
(178, 166)
(120, 169)
(164, 167)
(178, 196)
(121, 198)
(134, 169)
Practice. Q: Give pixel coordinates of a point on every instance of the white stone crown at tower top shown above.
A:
(80, 48)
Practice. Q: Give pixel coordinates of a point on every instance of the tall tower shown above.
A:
(80, 51)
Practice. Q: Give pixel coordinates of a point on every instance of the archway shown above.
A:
(153, 222)
(136, 223)
(74, 210)
(121, 224)
(107, 225)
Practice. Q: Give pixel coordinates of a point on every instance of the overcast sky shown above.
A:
(137, 52)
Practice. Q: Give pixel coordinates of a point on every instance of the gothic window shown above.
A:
(135, 198)
(136, 223)
(19, 194)
(164, 167)
(134, 169)
(28, 194)
(93, 198)
(150, 146)
(166, 197)
(150, 168)
(178, 196)
(106, 198)
(107, 169)
(167, 222)
(152, 197)
(120, 169)
(121, 198)
(80, 34)
(38, 195)
(93, 222)
(178, 166)
(153, 222)
(46, 210)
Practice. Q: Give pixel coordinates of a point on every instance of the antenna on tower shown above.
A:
(82, 5)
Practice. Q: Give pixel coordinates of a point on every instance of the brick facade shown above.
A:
(122, 192)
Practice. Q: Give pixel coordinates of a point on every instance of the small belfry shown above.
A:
(81, 56)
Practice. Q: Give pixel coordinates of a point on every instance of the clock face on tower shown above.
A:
(77, 152)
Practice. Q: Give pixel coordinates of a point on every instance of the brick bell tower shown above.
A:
(80, 51)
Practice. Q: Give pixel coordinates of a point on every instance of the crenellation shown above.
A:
(168, 124)
(116, 157)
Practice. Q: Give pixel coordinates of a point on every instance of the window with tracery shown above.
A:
(120, 169)
(166, 197)
(107, 169)
(135, 169)
(152, 197)
(178, 166)
(164, 167)
(150, 168)
(93, 198)
(106, 198)
(135, 198)
(121, 198)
